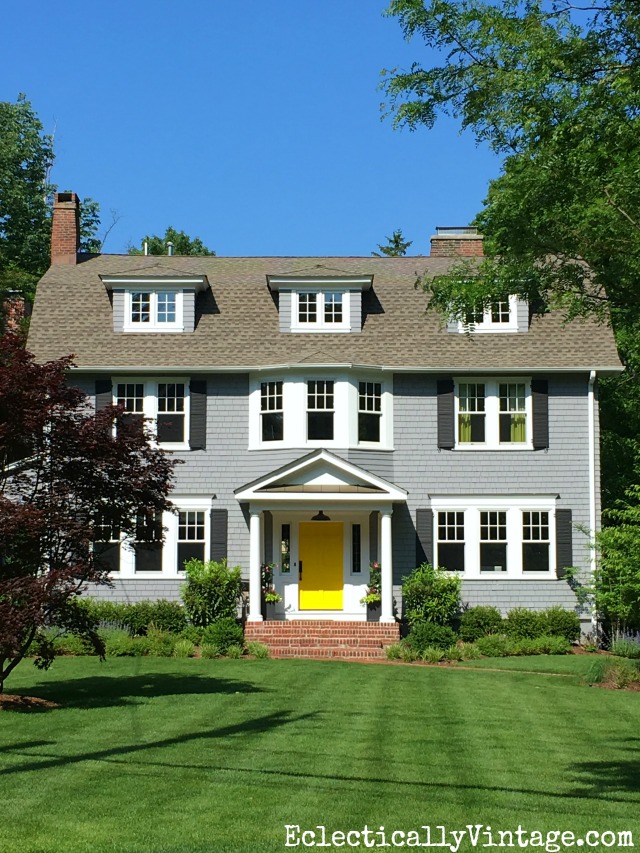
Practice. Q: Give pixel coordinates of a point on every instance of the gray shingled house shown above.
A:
(326, 421)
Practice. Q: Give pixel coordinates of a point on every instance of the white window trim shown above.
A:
(169, 545)
(320, 326)
(345, 420)
(492, 413)
(487, 326)
(150, 404)
(514, 507)
(153, 325)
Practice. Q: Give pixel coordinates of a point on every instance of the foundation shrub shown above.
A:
(209, 650)
(212, 591)
(183, 649)
(559, 622)
(619, 673)
(429, 634)
(223, 633)
(454, 653)
(160, 643)
(68, 644)
(258, 650)
(394, 651)
(234, 651)
(432, 655)
(494, 646)
(523, 624)
(120, 643)
(193, 633)
(479, 621)
(431, 595)
(168, 616)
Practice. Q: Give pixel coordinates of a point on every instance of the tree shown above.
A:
(395, 247)
(26, 197)
(182, 244)
(555, 88)
(69, 478)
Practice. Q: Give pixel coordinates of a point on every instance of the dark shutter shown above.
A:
(104, 394)
(564, 541)
(424, 536)
(540, 405)
(373, 537)
(219, 522)
(446, 409)
(198, 414)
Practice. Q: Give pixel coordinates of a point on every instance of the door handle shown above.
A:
(300, 570)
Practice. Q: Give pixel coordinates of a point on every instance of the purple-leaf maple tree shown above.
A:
(67, 474)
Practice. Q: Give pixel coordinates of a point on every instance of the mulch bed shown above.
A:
(16, 702)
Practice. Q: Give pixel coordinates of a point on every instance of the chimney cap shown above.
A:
(457, 231)
(65, 198)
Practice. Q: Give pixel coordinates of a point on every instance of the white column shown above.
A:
(255, 580)
(386, 568)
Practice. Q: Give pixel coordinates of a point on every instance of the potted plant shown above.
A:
(269, 595)
(373, 597)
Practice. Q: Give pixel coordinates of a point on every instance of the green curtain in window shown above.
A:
(518, 428)
(464, 428)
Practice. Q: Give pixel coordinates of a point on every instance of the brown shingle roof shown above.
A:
(237, 322)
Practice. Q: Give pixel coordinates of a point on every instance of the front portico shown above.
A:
(321, 520)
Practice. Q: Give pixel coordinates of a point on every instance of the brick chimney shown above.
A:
(65, 229)
(456, 242)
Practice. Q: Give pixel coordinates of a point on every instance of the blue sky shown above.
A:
(254, 125)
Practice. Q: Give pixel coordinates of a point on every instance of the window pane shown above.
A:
(368, 427)
(471, 417)
(307, 308)
(320, 426)
(451, 556)
(285, 549)
(333, 308)
(500, 312)
(140, 307)
(131, 396)
(535, 556)
(513, 419)
(493, 556)
(166, 307)
(356, 550)
(272, 426)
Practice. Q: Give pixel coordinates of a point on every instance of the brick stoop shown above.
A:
(303, 638)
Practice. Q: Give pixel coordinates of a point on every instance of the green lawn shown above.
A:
(159, 755)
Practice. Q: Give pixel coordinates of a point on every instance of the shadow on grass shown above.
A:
(104, 691)
(600, 778)
(259, 725)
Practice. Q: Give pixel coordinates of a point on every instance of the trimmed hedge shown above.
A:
(426, 635)
(479, 621)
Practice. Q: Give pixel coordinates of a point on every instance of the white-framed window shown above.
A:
(450, 539)
(369, 411)
(488, 537)
(500, 316)
(191, 536)
(271, 411)
(320, 409)
(162, 405)
(320, 311)
(301, 410)
(493, 413)
(285, 549)
(356, 549)
(153, 310)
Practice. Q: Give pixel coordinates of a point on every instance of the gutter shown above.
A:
(457, 370)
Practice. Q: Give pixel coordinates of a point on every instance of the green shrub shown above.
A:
(105, 613)
(431, 595)
(168, 616)
(494, 646)
(407, 654)
(212, 591)
(477, 622)
(394, 651)
(183, 649)
(193, 633)
(223, 633)
(454, 653)
(426, 634)
(469, 651)
(618, 673)
(160, 643)
(234, 651)
(258, 650)
(68, 644)
(559, 622)
(122, 644)
(432, 655)
(523, 624)
(626, 648)
(209, 650)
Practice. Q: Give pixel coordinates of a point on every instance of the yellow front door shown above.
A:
(320, 555)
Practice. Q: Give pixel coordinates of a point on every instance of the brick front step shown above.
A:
(303, 638)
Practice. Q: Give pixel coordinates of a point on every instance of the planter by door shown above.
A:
(268, 610)
(373, 612)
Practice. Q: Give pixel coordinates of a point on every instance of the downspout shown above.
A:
(592, 479)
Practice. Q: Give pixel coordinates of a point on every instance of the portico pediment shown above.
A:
(321, 474)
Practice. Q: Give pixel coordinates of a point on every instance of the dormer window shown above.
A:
(500, 316)
(321, 310)
(153, 310)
